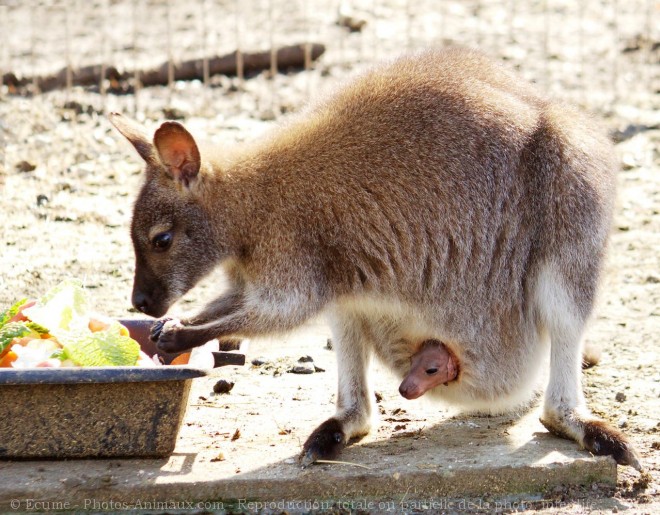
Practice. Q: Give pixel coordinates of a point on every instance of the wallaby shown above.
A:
(435, 197)
(430, 366)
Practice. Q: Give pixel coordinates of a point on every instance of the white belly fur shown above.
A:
(490, 380)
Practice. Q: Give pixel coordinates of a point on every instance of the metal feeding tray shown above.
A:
(95, 412)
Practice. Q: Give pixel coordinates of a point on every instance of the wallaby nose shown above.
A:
(140, 301)
(409, 390)
(404, 390)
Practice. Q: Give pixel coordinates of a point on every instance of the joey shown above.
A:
(430, 366)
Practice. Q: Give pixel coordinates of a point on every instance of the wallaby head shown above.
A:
(432, 365)
(172, 237)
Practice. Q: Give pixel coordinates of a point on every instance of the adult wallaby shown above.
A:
(436, 197)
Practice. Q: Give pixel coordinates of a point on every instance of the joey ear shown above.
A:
(178, 152)
(136, 134)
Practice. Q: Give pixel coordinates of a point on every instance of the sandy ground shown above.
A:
(67, 183)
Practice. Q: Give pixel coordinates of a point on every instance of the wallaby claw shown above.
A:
(306, 459)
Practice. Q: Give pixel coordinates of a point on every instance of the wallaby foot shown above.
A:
(326, 442)
(595, 435)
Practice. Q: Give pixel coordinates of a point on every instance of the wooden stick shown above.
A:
(288, 57)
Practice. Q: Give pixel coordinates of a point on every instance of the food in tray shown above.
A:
(59, 330)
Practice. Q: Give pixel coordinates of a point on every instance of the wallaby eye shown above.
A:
(162, 241)
(431, 371)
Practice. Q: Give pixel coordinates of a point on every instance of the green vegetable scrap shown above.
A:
(10, 331)
(102, 348)
(64, 313)
(63, 308)
(11, 312)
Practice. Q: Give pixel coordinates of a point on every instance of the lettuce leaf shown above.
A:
(64, 312)
(102, 348)
(63, 308)
(9, 314)
(10, 331)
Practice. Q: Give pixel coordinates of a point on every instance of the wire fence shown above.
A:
(599, 53)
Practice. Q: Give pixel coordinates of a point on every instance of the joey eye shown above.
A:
(431, 371)
(162, 241)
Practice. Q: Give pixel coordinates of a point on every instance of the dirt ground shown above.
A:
(67, 183)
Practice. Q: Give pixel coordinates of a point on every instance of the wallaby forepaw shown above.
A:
(157, 329)
(326, 442)
(602, 439)
(164, 332)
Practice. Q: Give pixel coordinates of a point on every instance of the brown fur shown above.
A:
(436, 197)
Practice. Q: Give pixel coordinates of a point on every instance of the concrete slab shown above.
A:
(240, 448)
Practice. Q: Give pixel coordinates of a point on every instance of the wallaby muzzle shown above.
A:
(150, 295)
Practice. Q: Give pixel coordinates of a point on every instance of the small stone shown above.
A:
(303, 368)
(42, 199)
(318, 369)
(267, 115)
(25, 166)
(379, 396)
(78, 108)
(173, 113)
(306, 359)
(620, 397)
(328, 344)
(351, 23)
(219, 457)
(222, 386)
(257, 362)
(623, 421)
(71, 482)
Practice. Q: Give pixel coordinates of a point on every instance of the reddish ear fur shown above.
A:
(178, 152)
(134, 133)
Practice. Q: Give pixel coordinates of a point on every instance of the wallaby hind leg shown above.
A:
(565, 412)
(354, 396)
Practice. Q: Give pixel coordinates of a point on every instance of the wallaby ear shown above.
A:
(136, 134)
(178, 152)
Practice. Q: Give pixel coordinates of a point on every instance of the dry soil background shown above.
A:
(67, 182)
